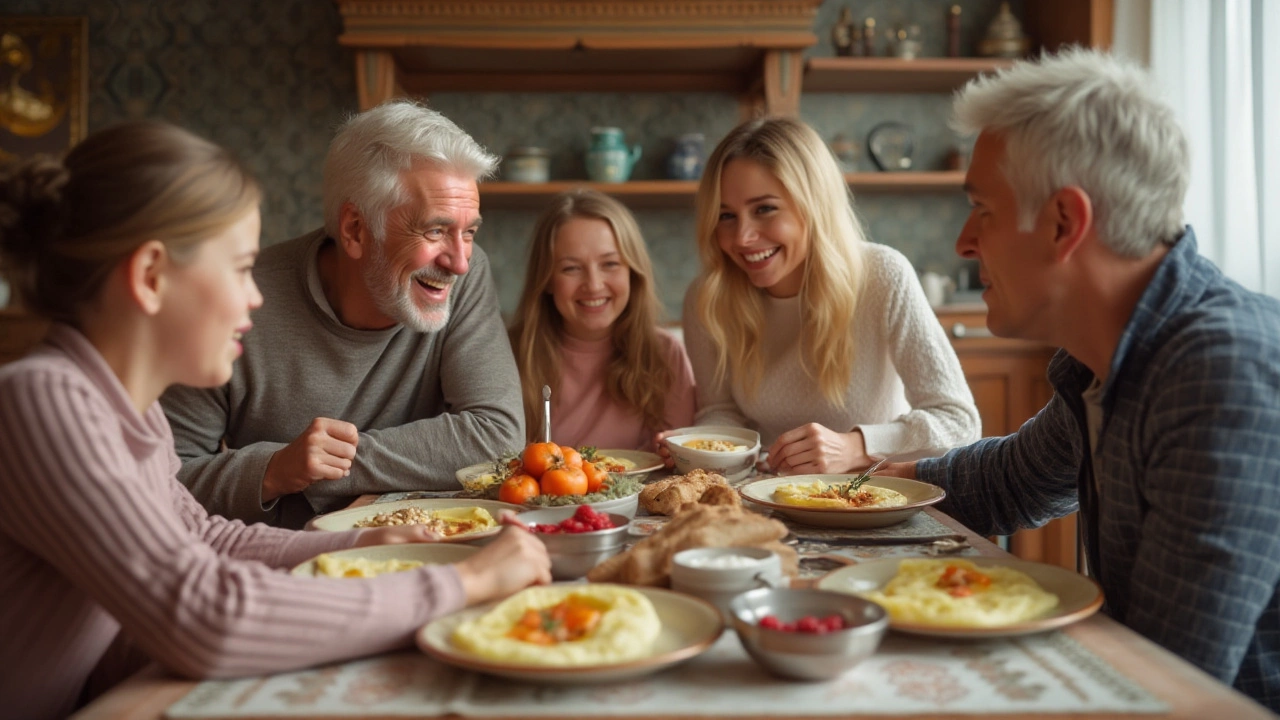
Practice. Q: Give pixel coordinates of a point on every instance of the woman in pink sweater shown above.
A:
(139, 246)
(587, 327)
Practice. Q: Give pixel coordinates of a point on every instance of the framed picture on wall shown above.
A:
(43, 84)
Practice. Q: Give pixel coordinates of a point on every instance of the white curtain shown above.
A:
(1218, 63)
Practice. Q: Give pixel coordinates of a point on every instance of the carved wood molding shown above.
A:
(799, 12)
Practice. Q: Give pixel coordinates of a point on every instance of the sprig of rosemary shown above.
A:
(851, 488)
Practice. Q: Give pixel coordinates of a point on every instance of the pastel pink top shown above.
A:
(582, 413)
(99, 540)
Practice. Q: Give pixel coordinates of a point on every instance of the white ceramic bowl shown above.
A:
(702, 572)
(734, 465)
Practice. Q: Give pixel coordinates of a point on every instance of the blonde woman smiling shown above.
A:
(800, 328)
(587, 326)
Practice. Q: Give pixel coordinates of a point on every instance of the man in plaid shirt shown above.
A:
(1164, 429)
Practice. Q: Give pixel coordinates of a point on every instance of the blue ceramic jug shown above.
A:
(609, 160)
(685, 163)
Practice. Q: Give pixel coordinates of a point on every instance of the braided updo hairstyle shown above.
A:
(64, 225)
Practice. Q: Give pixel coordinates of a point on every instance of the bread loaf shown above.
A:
(670, 496)
(649, 561)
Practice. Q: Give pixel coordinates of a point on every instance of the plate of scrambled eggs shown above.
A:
(381, 559)
(821, 500)
(637, 463)
(970, 598)
(570, 633)
(455, 520)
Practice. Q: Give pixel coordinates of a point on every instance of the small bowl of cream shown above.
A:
(717, 575)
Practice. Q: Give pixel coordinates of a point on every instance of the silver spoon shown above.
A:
(546, 413)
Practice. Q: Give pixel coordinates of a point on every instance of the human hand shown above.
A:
(899, 469)
(661, 449)
(814, 448)
(396, 535)
(323, 451)
(513, 561)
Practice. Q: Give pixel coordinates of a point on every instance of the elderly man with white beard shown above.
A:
(378, 361)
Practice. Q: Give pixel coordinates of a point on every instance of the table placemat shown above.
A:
(1048, 673)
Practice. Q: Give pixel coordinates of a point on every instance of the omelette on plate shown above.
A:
(818, 494)
(564, 626)
(446, 521)
(957, 593)
(330, 566)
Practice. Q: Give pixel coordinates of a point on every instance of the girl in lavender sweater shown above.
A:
(139, 246)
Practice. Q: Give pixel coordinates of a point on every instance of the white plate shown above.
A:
(689, 627)
(347, 519)
(1078, 596)
(646, 462)
(425, 553)
(919, 495)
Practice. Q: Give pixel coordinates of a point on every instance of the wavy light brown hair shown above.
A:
(638, 376)
(732, 309)
(65, 224)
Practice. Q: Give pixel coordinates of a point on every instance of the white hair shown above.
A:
(371, 150)
(1085, 119)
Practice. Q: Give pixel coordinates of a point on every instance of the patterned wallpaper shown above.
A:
(269, 80)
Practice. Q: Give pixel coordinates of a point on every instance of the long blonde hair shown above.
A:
(638, 375)
(65, 224)
(732, 310)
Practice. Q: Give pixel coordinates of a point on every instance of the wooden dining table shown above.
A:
(1187, 692)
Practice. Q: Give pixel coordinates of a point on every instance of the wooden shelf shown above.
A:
(892, 75)
(636, 193)
(907, 182)
(419, 47)
(679, 193)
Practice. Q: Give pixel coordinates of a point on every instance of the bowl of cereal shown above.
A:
(729, 451)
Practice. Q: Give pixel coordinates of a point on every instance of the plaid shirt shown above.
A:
(1182, 528)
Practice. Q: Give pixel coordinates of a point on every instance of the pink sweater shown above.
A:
(582, 413)
(97, 537)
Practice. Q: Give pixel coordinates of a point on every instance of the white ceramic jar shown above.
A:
(718, 575)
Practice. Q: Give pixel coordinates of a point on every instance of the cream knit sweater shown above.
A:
(907, 392)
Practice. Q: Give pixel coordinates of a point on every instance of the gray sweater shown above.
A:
(426, 404)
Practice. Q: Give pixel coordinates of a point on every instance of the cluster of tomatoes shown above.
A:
(550, 469)
(806, 624)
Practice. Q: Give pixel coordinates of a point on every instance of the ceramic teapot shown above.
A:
(685, 162)
(609, 160)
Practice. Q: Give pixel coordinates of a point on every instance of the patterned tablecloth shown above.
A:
(1048, 673)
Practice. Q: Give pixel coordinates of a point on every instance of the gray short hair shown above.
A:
(371, 149)
(1083, 118)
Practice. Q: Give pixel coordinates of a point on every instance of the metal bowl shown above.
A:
(807, 656)
(574, 554)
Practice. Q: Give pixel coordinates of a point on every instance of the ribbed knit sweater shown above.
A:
(425, 404)
(582, 413)
(907, 392)
(98, 538)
